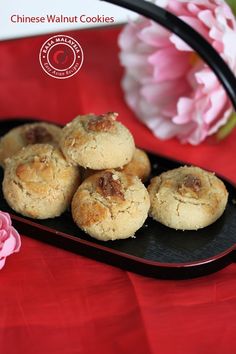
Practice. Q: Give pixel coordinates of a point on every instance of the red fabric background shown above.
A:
(52, 301)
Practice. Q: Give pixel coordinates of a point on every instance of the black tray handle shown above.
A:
(190, 36)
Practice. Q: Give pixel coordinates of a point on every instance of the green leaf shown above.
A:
(232, 4)
(224, 131)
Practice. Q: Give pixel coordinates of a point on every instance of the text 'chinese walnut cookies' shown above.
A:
(97, 142)
(38, 181)
(187, 198)
(26, 134)
(110, 205)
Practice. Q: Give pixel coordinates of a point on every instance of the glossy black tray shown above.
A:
(156, 251)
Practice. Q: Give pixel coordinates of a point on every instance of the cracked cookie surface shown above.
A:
(110, 205)
(26, 134)
(97, 142)
(38, 181)
(187, 198)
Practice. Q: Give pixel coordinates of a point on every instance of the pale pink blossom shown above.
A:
(166, 83)
(10, 241)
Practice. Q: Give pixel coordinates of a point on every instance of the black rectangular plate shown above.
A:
(156, 251)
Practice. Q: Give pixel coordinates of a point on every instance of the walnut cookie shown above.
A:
(38, 181)
(97, 142)
(23, 135)
(110, 205)
(187, 198)
(139, 166)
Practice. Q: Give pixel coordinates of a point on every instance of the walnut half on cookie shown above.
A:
(110, 205)
(187, 198)
(97, 142)
(26, 134)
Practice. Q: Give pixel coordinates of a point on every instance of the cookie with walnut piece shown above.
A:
(187, 198)
(38, 181)
(110, 205)
(26, 134)
(139, 166)
(97, 142)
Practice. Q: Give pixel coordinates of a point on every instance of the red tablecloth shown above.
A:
(53, 301)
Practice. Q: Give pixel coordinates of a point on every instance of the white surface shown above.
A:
(90, 8)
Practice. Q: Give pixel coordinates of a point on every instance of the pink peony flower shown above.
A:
(9, 238)
(166, 83)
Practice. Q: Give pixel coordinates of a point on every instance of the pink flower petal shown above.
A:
(17, 238)
(129, 36)
(193, 9)
(196, 137)
(228, 38)
(215, 33)
(220, 122)
(8, 246)
(163, 128)
(169, 64)
(185, 107)
(145, 111)
(5, 220)
(207, 78)
(207, 18)
(162, 3)
(131, 87)
(178, 7)
(10, 241)
(149, 35)
(218, 46)
(205, 3)
(169, 110)
(159, 93)
(135, 59)
(218, 100)
(180, 44)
